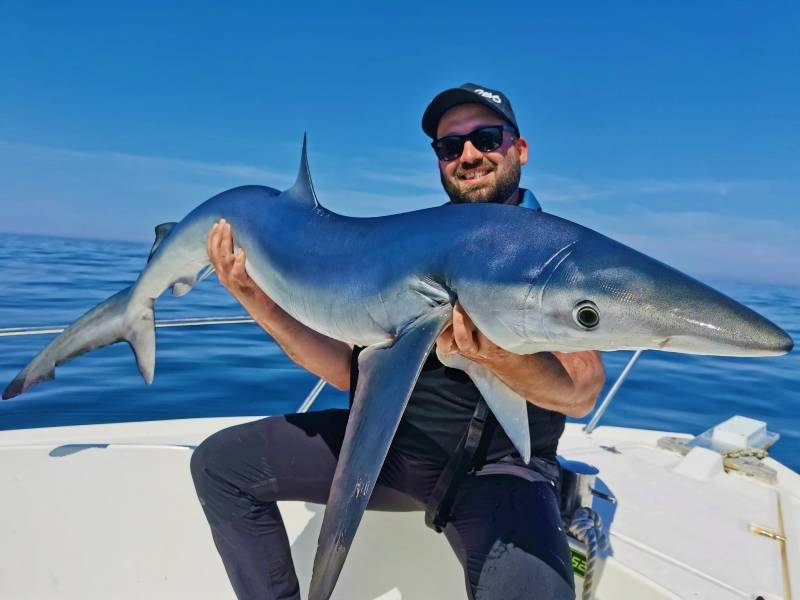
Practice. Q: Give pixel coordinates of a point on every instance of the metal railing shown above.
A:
(189, 322)
(312, 395)
(318, 387)
(611, 393)
(588, 429)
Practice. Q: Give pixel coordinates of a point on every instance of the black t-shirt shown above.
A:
(440, 408)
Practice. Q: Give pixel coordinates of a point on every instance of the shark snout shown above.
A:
(731, 329)
(784, 344)
(606, 296)
(709, 322)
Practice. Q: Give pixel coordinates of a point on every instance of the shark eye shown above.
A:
(586, 314)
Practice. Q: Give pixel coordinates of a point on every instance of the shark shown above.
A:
(529, 280)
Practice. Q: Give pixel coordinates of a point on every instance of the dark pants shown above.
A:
(505, 530)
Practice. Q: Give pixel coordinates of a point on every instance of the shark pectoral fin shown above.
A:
(509, 407)
(387, 374)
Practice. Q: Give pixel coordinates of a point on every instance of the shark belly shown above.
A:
(354, 311)
(336, 276)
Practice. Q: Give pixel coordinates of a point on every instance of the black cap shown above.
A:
(468, 92)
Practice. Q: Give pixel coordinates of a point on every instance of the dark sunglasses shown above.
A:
(485, 139)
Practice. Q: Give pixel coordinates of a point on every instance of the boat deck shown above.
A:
(109, 511)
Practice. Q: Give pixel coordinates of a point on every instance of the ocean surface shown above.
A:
(238, 370)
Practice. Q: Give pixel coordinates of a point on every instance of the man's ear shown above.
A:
(522, 148)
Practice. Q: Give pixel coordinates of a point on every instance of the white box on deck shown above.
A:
(740, 432)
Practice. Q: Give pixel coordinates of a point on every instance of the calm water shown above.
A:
(238, 370)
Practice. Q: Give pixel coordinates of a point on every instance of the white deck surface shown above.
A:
(122, 521)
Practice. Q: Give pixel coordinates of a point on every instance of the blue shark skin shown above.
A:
(530, 281)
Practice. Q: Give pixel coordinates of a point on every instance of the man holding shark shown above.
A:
(419, 432)
(503, 522)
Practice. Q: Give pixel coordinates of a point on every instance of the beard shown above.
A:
(506, 183)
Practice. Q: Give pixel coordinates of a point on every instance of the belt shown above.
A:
(468, 457)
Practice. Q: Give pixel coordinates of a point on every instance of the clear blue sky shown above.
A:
(671, 126)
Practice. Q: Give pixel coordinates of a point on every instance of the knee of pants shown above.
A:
(197, 463)
(511, 573)
(216, 467)
(201, 465)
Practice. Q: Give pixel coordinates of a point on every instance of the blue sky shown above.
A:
(673, 127)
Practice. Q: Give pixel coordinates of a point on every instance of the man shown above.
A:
(504, 523)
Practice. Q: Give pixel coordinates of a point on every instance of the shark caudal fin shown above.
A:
(113, 320)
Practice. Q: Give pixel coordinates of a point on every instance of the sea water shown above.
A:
(238, 370)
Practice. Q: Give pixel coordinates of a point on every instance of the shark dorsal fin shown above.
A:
(161, 232)
(303, 188)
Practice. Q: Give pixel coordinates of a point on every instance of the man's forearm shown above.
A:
(323, 356)
(565, 383)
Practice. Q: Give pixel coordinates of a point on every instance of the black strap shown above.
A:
(470, 454)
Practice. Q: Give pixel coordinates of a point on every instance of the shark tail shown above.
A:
(116, 319)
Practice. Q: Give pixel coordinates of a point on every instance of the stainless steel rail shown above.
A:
(611, 393)
(318, 387)
(590, 426)
(192, 322)
(312, 395)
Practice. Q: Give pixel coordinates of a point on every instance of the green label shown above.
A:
(578, 562)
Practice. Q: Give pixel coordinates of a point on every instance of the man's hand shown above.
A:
(568, 383)
(229, 265)
(323, 356)
(464, 338)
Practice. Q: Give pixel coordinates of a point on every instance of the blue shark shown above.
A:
(530, 281)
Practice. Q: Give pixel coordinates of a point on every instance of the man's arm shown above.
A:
(323, 356)
(568, 383)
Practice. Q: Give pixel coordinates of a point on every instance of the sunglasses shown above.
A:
(485, 139)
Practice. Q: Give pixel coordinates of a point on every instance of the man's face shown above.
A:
(477, 176)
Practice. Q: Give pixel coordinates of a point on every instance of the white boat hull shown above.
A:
(109, 511)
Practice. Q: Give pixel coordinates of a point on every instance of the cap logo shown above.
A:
(489, 96)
